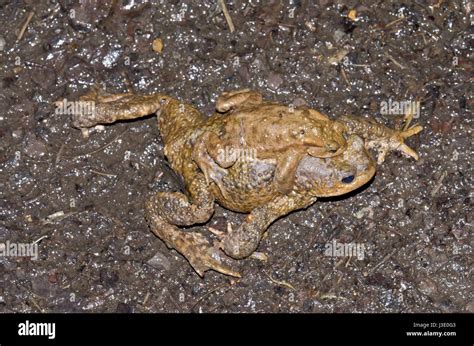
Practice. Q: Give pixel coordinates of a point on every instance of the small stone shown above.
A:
(228, 298)
(219, 223)
(427, 287)
(459, 234)
(310, 24)
(274, 80)
(2, 44)
(158, 45)
(366, 211)
(299, 102)
(375, 201)
(35, 148)
(53, 278)
(123, 308)
(308, 305)
(108, 278)
(159, 261)
(86, 15)
(338, 35)
(470, 307)
(17, 134)
(352, 15)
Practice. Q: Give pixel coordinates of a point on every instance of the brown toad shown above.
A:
(245, 186)
(264, 130)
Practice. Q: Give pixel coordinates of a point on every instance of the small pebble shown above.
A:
(159, 261)
(123, 308)
(427, 287)
(53, 278)
(35, 148)
(470, 307)
(17, 134)
(352, 15)
(228, 298)
(274, 80)
(158, 45)
(338, 35)
(299, 102)
(2, 44)
(308, 305)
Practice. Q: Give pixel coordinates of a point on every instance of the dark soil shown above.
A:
(414, 218)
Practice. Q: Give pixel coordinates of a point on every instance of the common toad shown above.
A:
(247, 185)
(264, 130)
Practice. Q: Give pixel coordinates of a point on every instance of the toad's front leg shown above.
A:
(285, 170)
(381, 137)
(243, 241)
(209, 150)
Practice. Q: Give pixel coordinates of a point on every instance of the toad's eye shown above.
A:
(332, 147)
(347, 180)
(302, 132)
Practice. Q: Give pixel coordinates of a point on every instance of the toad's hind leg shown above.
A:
(166, 210)
(243, 241)
(108, 108)
(192, 245)
(176, 208)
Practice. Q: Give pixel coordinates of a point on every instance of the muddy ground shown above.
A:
(82, 200)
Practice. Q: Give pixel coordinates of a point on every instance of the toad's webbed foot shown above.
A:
(395, 143)
(380, 137)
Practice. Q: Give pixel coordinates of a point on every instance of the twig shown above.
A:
(57, 217)
(36, 304)
(60, 152)
(207, 294)
(40, 239)
(23, 28)
(344, 76)
(104, 174)
(227, 15)
(439, 183)
(146, 298)
(280, 283)
(392, 59)
(328, 295)
(395, 21)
